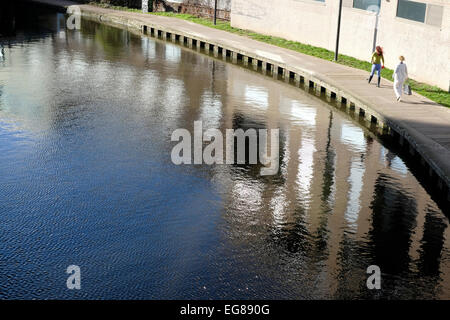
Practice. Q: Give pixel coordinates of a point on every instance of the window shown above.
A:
(369, 5)
(411, 10)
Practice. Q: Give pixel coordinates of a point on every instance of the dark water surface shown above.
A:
(86, 179)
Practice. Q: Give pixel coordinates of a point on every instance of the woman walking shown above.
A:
(377, 59)
(400, 76)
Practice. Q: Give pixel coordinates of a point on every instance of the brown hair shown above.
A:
(379, 50)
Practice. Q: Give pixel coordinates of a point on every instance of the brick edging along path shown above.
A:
(418, 122)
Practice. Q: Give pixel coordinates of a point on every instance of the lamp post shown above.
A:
(215, 12)
(375, 9)
(336, 52)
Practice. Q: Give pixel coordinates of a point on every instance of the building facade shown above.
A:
(418, 30)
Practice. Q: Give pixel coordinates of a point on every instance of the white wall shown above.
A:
(426, 47)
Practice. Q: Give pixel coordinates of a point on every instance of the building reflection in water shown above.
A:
(345, 201)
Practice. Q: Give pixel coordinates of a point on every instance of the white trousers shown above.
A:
(398, 87)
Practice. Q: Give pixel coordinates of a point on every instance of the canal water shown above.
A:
(86, 179)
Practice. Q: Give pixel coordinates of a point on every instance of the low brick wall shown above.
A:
(199, 8)
(206, 12)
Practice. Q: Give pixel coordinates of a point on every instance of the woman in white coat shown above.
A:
(400, 76)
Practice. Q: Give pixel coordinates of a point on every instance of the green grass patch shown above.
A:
(433, 93)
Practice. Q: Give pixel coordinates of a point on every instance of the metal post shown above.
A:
(336, 52)
(215, 12)
(375, 33)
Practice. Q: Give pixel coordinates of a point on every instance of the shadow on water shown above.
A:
(394, 218)
(19, 19)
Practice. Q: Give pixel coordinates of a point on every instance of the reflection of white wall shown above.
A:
(353, 137)
(27, 95)
(173, 90)
(211, 111)
(148, 48)
(356, 184)
(303, 115)
(394, 162)
(248, 194)
(399, 166)
(172, 53)
(306, 166)
(279, 203)
(287, 154)
(257, 96)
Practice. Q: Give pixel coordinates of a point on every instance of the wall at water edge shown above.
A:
(426, 45)
(201, 8)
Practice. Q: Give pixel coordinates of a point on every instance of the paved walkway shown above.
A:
(424, 122)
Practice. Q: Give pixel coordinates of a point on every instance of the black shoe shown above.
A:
(379, 80)
(370, 78)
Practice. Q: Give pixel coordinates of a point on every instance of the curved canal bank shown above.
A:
(417, 124)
